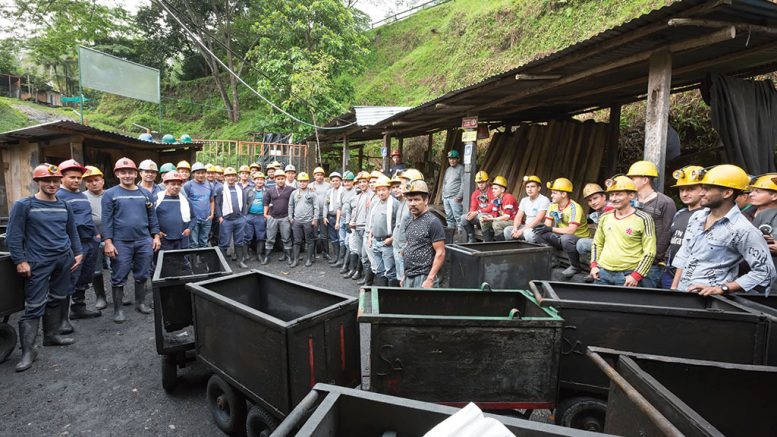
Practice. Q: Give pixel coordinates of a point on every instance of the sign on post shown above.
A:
(104, 72)
(469, 136)
(469, 123)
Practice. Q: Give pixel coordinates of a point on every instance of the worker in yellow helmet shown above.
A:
(231, 206)
(719, 238)
(504, 206)
(184, 168)
(244, 177)
(661, 207)
(564, 224)
(531, 211)
(303, 212)
(321, 188)
(763, 197)
(479, 205)
(625, 240)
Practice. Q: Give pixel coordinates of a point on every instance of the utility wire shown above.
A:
(163, 3)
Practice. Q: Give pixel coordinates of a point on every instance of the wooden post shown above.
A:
(386, 151)
(428, 153)
(346, 153)
(657, 117)
(613, 138)
(4, 207)
(361, 158)
(401, 147)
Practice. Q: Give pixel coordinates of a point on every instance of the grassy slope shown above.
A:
(10, 118)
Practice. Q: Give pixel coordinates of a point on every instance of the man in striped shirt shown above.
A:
(625, 241)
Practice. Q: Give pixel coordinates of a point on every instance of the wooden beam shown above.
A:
(689, 44)
(387, 146)
(745, 27)
(401, 146)
(537, 76)
(657, 116)
(613, 140)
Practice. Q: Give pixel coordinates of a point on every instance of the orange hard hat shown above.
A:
(172, 176)
(46, 171)
(71, 164)
(124, 163)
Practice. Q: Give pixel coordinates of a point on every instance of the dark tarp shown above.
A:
(744, 113)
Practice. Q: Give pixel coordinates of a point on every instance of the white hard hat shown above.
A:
(148, 165)
(290, 168)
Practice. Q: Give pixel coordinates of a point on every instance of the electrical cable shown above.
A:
(163, 3)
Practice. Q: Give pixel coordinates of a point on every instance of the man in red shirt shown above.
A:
(479, 206)
(503, 210)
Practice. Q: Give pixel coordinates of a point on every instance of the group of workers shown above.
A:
(380, 230)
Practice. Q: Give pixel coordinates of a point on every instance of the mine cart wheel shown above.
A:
(227, 405)
(169, 373)
(259, 422)
(582, 413)
(7, 341)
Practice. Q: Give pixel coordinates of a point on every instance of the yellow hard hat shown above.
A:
(591, 189)
(396, 180)
(184, 164)
(244, 168)
(412, 174)
(229, 171)
(92, 171)
(620, 183)
(684, 176)
(501, 181)
(561, 184)
(319, 170)
(376, 174)
(481, 176)
(302, 176)
(417, 186)
(259, 174)
(255, 165)
(643, 168)
(536, 179)
(724, 175)
(275, 164)
(765, 182)
(212, 169)
(383, 181)
(219, 169)
(362, 175)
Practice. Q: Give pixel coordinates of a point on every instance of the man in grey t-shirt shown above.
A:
(453, 189)
(425, 251)
(383, 217)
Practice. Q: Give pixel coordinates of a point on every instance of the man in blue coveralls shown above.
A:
(200, 193)
(131, 236)
(231, 208)
(82, 277)
(45, 247)
(175, 214)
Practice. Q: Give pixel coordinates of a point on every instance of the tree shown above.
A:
(9, 56)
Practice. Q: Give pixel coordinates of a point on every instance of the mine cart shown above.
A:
(503, 264)
(11, 301)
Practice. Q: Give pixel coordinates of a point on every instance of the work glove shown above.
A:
(541, 229)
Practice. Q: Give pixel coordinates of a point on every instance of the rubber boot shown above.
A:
(260, 252)
(359, 272)
(266, 256)
(346, 262)
(311, 251)
(65, 327)
(242, 253)
(488, 235)
(99, 290)
(52, 320)
(28, 333)
(324, 248)
(140, 298)
(288, 255)
(353, 264)
(574, 265)
(471, 237)
(380, 281)
(78, 309)
(394, 283)
(369, 275)
(285, 256)
(340, 256)
(118, 312)
(295, 255)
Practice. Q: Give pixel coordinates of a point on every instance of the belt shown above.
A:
(381, 238)
(333, 213)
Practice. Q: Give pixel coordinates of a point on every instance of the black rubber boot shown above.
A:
(118, 312)
(369, 275)
(488, 235)
(51, 325)
(266, 256)
(340, 256)
(78, 309)
(471, 237)
(140, 298)
(65, 327)
(309, 254)
(28, 333)
(380, 281)
(346, 262)
(359, 272)
(99, 290)
(324, 242)
(574, 265)
(295, 255)
(353, 261)
(242, 254)
(260, 252)
(287, 256)
(394, 283)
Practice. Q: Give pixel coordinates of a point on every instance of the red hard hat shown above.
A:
(71, 164)
(125, 163)
(172, 176)
(395, 153)
(46, 171)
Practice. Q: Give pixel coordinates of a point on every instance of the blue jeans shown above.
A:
(48, 285)
(399, 263)
(384, 259)
(607, 277)
(343, 234)
(231, 230)
(133, 255)
(84, 274)
(256, 228)
(453, 211)
(653, 278)
(334, 233)
(199, 235)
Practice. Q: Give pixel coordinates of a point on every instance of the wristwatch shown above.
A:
(724, 287)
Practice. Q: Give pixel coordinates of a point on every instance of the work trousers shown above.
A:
(565, 242)
(82, 277)
(256, 228)
(199, 235)
(453, 211)
(584, 245)
(399, 262)
(343, 234)
(355, 241)
(367, 255)
(527, 236)
(135, 256)
(48, 285)
(384, 259)
(413, 281)
(303, 232)
(334, 234)
(231, 229)
(275, 225)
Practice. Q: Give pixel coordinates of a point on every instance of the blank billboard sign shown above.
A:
(104, 72)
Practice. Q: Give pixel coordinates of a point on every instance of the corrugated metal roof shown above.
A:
(372, 115)
(58, 128)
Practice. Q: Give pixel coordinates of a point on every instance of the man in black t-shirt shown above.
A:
(425, 251)
(690, 194)
(763, 196)
(276, 214)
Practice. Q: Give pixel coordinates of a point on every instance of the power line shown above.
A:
(163, 3)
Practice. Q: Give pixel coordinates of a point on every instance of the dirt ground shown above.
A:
(109, 382)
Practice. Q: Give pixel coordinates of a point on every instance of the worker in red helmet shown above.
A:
(45, 247)
(131, 236)
(70, 191)
(397, 165)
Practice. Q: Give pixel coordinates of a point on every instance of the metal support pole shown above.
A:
(470, 168)
(657, 116)
(386, 151)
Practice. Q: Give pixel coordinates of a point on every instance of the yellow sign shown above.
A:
(469, 136)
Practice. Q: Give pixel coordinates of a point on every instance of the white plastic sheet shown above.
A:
(469, 422)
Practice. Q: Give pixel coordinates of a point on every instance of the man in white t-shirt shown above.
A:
(531, 211)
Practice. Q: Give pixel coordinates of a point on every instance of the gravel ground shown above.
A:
(108, 383)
